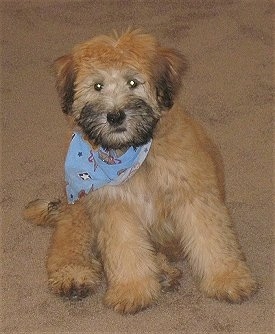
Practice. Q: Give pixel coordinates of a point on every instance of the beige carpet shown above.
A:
(228, 88)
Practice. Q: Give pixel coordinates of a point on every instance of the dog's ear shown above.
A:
(65, 80)
(170, 68)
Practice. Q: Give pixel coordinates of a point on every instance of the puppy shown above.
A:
(141, 180)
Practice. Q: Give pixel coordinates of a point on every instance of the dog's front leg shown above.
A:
(213, 249)
(73, 270)
(129, 261)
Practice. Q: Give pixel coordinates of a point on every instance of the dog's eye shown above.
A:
(98, 86)
(132, 83)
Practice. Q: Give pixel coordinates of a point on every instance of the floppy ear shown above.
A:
(170, 68)
(65, 78)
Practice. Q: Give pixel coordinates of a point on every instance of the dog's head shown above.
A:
(116, 89)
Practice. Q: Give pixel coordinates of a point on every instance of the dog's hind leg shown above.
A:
(73, 270)
(170, 275)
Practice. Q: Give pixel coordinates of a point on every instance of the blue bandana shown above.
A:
(87, 169)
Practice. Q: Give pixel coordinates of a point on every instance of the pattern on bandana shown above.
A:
(88, 170)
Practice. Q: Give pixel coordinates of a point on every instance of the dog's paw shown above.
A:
(132, 297)
(170, 275)
(233, 286)
(170, 281)
(74, 281)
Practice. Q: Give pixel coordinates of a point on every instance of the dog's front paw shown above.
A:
(74, 281)
(234, 285)
(129, 298)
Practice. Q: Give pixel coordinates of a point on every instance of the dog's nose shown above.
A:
(116, 117)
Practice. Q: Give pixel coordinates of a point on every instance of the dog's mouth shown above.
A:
(119, 129)
(130, 125)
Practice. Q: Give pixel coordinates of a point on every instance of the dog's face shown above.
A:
(116, 90)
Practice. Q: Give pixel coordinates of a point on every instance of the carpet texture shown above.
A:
(228, 89)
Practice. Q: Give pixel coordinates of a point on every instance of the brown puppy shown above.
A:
(120, 93)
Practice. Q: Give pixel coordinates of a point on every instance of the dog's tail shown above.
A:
(43, 212)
